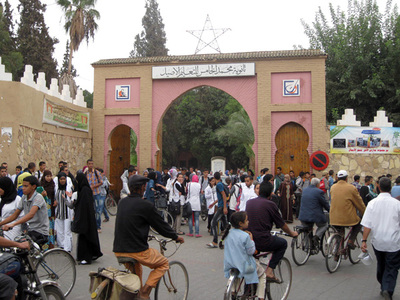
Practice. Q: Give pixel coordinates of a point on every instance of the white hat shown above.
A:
(342, 173)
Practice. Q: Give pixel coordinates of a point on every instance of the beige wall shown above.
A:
(21, 108)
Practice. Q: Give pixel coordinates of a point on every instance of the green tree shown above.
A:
(152, 40)
(239, 131)
(65, 63)
(34, 41)
(10, 57)
(88, 98)
(192, 122)
(80, 22)
(357, 67)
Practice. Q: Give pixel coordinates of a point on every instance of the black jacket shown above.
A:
(134, 218)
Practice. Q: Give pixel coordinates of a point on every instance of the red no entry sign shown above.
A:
(319, 160)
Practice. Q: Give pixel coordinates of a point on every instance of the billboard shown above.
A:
(382, 140)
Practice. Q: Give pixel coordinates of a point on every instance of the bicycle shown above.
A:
(110, 203)
(32, 286)
(337, 250)
(173, 285)
(303, 246)
(236, 289)
(162, 207)
(56, 265)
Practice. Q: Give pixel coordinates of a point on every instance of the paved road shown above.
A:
(205, 267)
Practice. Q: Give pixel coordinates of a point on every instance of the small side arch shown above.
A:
(291, 153)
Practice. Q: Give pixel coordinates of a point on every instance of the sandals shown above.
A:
(273, 279)
(211, 245)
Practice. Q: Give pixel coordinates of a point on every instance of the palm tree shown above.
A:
(80, 22)
(239, 131)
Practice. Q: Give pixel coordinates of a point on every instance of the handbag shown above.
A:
(174, 208)
(187, 210)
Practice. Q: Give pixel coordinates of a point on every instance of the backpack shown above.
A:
(227, 193)
(322, 185)
(238, 196)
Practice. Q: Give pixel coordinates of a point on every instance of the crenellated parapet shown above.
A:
(40, 85)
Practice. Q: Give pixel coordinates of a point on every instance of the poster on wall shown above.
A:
(382, 140)
(122, 92)
(62, 116)
(6, 133)
(291, 87)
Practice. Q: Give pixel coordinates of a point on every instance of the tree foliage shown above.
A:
(80, 23)
(65, 63)
(10, 57)
(34, 41)
(362, 68)
(152, 40)
(192, 124)
(88, 98)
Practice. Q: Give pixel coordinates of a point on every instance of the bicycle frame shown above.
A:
(344, 250)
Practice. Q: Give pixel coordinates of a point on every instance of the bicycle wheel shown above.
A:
(111, 205)
(354, 253)
(301, 248)
(59, 266)
(280, 291)
(233, 286)
(333, 257)
(167, 218)
(324, 241)
(174, 284)
(53, 292)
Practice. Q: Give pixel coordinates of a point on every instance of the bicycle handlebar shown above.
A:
(280, 232)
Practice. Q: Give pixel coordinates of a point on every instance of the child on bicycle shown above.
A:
(239, 250)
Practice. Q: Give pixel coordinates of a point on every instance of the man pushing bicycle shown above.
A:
(134, 217)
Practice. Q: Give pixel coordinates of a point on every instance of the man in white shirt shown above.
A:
(125, 178)
(381, 220)
(247, 192)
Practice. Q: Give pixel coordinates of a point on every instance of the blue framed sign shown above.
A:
(122, 93)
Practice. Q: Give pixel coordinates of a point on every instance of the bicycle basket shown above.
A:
(161, 201)
(121, 281)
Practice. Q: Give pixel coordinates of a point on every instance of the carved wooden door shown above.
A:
(291, 143)
(119, 157)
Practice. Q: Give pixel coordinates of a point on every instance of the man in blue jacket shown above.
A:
(312, 207)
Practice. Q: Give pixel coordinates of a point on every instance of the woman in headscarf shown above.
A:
(48, 195)
(170, 183)
(150, 187)
(85, 223)
(64, 213)
(8, 205)
(193, 196)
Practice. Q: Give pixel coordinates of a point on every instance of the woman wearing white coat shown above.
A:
(64, 213)
(210, 194)
(193, 196)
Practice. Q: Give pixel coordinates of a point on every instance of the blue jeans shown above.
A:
(105, 212)
(196, 222)
(99, 206)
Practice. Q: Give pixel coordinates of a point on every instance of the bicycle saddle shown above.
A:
(124, 259)
(302, 228)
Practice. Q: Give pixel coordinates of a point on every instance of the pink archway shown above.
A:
(243, 89)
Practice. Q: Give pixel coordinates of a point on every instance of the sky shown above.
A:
(255, 25)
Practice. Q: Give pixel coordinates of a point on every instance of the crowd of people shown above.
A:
(56, 206)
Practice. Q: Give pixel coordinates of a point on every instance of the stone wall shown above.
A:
(36, 145)
(32, 140)
(367, 164)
